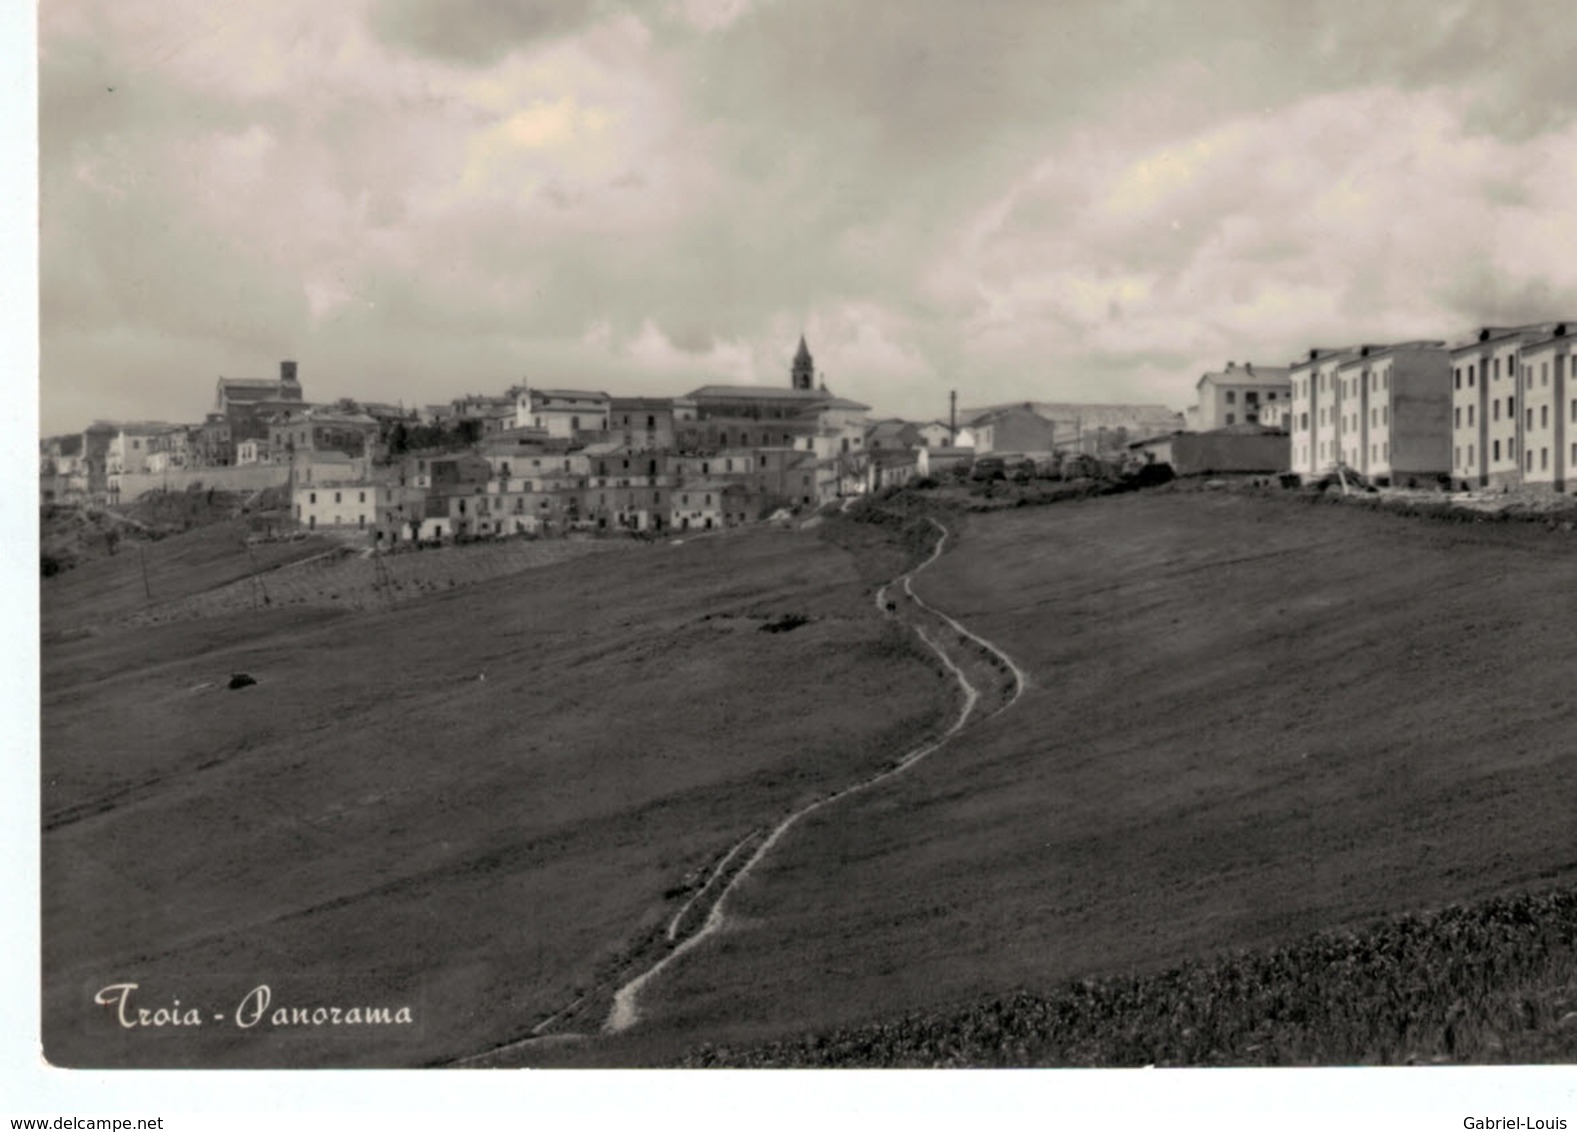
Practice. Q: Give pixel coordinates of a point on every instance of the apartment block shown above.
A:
(1398, 412)
(1549, 410)
(1488, 413)
(1315, 404)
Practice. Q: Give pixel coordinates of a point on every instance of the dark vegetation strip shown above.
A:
(1489, 982)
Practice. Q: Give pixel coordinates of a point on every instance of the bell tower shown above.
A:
(804, 370)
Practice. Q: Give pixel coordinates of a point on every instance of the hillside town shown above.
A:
(1497, 411)
(545, 460)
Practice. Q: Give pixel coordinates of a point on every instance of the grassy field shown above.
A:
(1249, 720)
(1492, 982)
(473, 804)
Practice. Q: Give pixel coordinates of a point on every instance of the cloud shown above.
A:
(1023, 201)
(476, 32)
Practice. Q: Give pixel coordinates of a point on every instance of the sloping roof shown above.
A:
(1493, 335)
(1368, 353)
(575, 394)
(761, 393)
(1561, 332)
(1318, 355)
(1248, 374)
(845, 403)
(249, 382)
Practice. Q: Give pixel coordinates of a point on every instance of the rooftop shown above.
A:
(1528, 333)
(763, 393)
(1369, 353)
(1248, 374)
(571, 394)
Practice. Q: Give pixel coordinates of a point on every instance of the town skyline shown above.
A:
(1093, 203)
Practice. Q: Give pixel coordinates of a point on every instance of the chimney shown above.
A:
(1232, 366)
(1248, 366)
(287, 371)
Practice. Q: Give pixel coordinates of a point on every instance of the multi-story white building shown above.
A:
(1315, 398)
(344, 505)
(1488, 416)
(1394, 414)
(1549, 410)
(1381, 410)
(1239, 395)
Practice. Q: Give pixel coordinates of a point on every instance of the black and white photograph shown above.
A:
(699, 535)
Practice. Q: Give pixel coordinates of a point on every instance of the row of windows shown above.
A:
(1526, 372)
(1544, 457)
(312, 497)
(1379, 381)
(1250, 396)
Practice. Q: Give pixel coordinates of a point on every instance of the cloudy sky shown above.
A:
(1074, 200)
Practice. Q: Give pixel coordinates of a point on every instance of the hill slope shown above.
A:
(1248, 720)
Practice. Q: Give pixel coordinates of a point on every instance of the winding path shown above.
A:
(625, 1011)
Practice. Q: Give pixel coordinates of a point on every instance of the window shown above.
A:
(1529, 460)
(363, 498)
(1496, 410)
(1231, 397)
(1456, 417)
(1544, 373)
(1470, 416)
(1511, 403)
(1544, 416)
(1470, 370)
(1385, 415)
(1231, 419)
(1471, 454)
(1456, 457)
(1497, 450)
(313, 497)
(336, 497)
(1497, 369)
(1456, 377)
(1544, 459)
